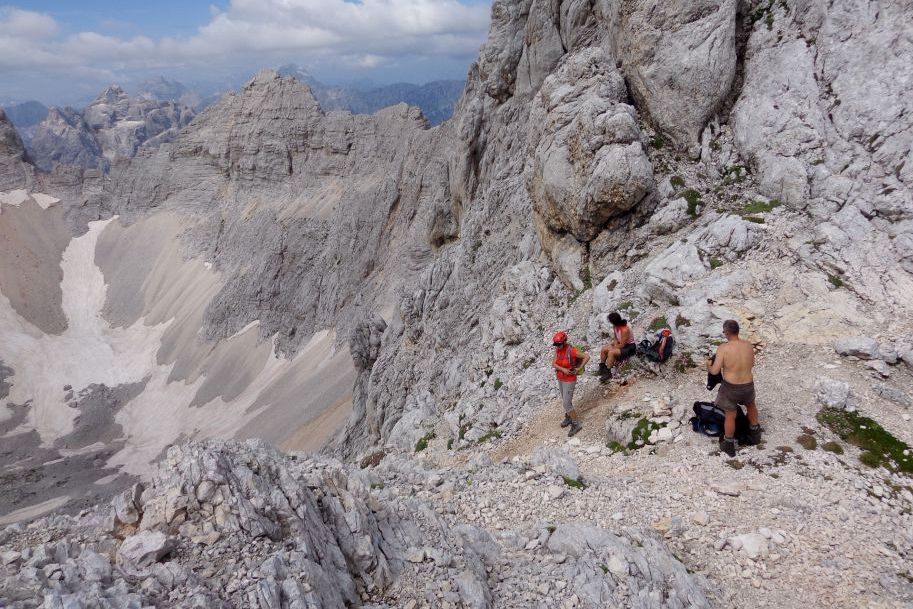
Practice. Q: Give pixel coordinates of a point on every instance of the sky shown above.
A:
(65, 51)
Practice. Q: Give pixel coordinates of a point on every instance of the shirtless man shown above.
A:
(735, 359)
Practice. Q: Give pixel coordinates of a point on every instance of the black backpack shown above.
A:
(660, 349)
(709, 420)
(713, 379)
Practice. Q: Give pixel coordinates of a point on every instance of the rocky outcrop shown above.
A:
(14, 170)
(237, 524)
(588, 163)
(122, 124)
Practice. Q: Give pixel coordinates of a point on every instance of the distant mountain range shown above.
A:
(26, 114)
(116, 125)
(436, 99)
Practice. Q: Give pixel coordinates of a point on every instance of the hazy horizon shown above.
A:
(57, 55)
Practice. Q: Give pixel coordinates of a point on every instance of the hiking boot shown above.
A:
(567, 421)
(575, 427)
(754, 435)
(727, 445)
(605, 373)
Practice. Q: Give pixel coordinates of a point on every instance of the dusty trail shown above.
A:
(593, 401)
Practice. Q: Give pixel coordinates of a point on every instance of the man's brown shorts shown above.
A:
(731, 395)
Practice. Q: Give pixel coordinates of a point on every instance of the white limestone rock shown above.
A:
(834, 394)
(862, 347)
(139, 552)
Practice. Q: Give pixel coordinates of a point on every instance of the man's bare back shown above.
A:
(736, 359)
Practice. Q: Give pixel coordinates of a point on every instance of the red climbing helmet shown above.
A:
(559, 339)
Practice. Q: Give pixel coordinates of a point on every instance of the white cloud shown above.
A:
(374, 31)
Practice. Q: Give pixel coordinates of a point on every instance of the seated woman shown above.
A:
(621, 348)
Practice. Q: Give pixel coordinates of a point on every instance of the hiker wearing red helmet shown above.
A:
(568, 364)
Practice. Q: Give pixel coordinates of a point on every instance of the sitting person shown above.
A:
(621, 348)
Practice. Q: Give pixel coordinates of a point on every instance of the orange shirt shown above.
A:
(566, 358)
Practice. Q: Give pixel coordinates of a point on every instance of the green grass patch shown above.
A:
(450, 444)
(494, 434)
(644, 428)
(870, 459)
(657, 142)
(616, 446)
(754, 220)
(760, 207)
(715, 263)
(605, 569)
(835, 280)
(422, 444)
(464, 427)
(807, 441)
(693, 198)
(498, 384)
(577, 484)
(879, 447)
(677, 182)
(658, 323)
(832, 447)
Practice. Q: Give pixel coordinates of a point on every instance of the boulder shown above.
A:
(139, 552)
(834, 394)
(559, 462)
(753, 545)
(670, 217)
(728, 236)
(671, 270)
(862, 347)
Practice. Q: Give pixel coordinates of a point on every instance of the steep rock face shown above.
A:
(589, 163)
(313, 217)
(824, 119)
(679, 59)
(14, 171)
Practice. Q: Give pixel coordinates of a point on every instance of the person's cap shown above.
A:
(559, 339)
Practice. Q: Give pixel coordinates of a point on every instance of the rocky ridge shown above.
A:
(226, 524)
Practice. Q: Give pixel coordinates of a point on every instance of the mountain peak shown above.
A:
(263, 77)
(110, 94)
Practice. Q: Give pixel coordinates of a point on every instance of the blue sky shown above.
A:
(64, 52)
